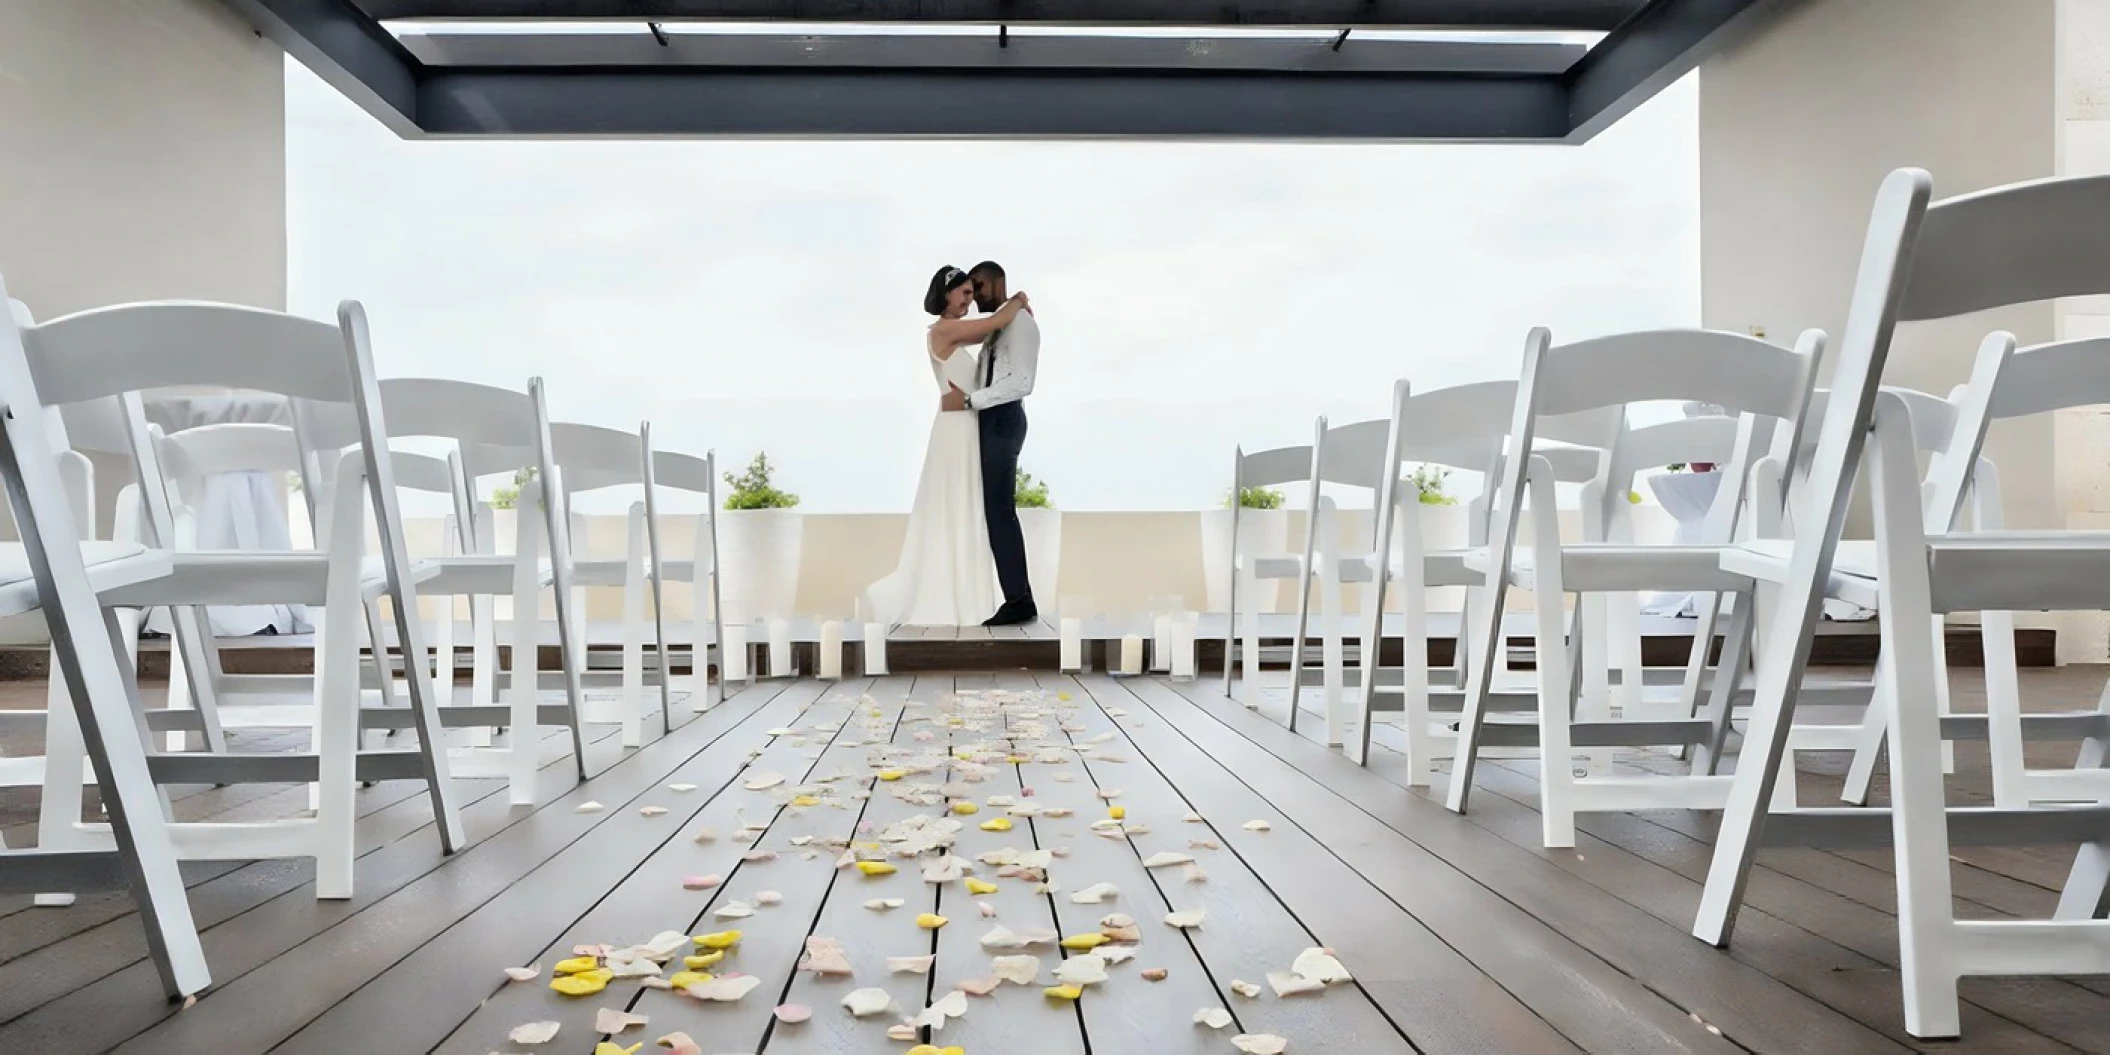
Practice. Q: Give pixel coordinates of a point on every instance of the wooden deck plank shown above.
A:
(1248, 931)
(1013, 1018)
(1453, 1003)
(1236, 904)
(1547, 931)
(774, 938)
(568, 903)
(1835, 950)
(313, 965)
(116, 944)
(869, 937)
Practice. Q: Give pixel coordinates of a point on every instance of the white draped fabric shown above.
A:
(236, 511)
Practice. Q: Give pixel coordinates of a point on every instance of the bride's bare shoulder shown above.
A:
(938, 349)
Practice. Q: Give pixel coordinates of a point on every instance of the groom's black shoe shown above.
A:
(1014, 615)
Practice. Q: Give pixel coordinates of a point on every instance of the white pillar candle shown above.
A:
(875, 649)
(1072, 644)
(779, 648)
(832, 650)
(1160, 643)
(1183, 634)
(733, 665)
(1132, 654)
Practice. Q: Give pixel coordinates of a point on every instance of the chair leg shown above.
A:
(633, 734)
(1557, 706)
(1248, 686)
(1484, 616)
(1296, 647)
(523, 693)
(1339, 725)
(104, 703)
(2003, 711)
(337, 733)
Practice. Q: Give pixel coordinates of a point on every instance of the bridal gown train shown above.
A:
(946, 576)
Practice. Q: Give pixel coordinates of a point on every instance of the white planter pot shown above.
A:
(758, 554)
(1263, 531)
(1043, 532)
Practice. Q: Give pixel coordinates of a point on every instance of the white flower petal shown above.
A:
(534, 1033)
(1212, 1017)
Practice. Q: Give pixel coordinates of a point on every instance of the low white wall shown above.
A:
(1120, 561)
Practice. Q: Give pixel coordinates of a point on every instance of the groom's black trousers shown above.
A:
(1003, 436)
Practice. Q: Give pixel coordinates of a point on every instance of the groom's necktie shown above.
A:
(989, 359)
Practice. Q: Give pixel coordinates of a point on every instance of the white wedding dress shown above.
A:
(946, 576)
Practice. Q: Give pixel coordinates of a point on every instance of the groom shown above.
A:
(1009, 358)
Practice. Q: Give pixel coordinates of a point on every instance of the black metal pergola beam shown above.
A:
(1594, 15)
(983, 52)
(980, 83)
(1662, 42)
(1033, 104)
(352, 53)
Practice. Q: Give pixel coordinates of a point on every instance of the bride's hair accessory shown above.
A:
(944, 282)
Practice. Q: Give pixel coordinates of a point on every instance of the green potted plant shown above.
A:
(1263, 526)
(759, 541)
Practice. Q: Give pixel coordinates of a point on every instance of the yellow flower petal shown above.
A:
(892, 774)
(977, 886)
(575, 965)
(609, 1047)
(698, 963)
(876, 868)
(584, 983)
(931, 921)
(1019, 760)
(724, 939)
(965, 808)
(1117, 812)
(1084, 942)
(1063, 696)
(805, 800)
(933, 1049)
(1063, 992)
(997, 824)
(685, 979)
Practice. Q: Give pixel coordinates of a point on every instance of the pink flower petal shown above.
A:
(789, 1013)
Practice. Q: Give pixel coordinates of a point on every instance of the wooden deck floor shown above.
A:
(1462, 933)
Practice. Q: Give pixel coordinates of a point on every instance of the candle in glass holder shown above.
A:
(1132, 654)
(832, 650)
(875, 648)
(780, 648)
(734, 663)
(1183, 634)
(1072, 644)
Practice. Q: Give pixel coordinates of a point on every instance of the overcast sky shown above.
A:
(766, 296)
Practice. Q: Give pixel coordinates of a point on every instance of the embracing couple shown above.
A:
(964, 540)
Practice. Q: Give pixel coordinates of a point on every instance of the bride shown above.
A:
(946, 576)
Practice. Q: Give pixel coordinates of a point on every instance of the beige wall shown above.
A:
(142, 156)
(1799, 126)
(2082, 444)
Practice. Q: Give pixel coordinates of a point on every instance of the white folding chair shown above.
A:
(707, 643)
(1743, 375)
(51, 570)
(479, 417)
(2009, 245)
(591, 458)
(1458, 428)
(1269, 468)
(121, 351)
(1837, 715)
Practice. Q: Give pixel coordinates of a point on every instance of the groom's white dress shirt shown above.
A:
(1017, 350)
